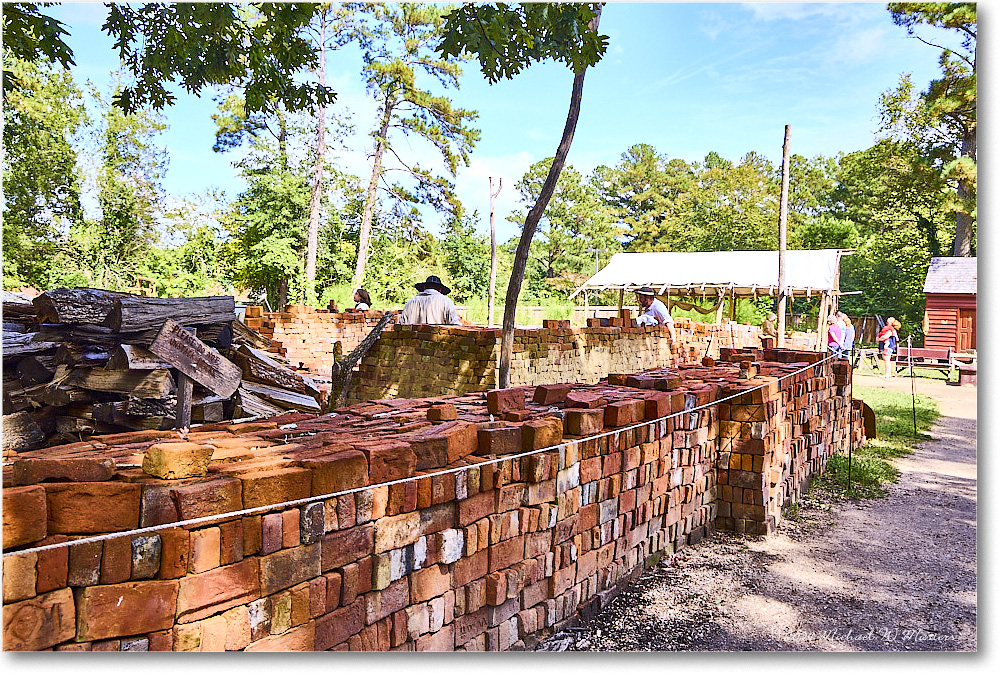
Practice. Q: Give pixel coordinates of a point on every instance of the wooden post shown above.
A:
(824, 311)
(722, 305)
(783, 236)
(185, 390)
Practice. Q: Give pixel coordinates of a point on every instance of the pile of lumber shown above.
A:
(81, 361)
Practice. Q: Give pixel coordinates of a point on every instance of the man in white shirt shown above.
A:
(655, 313)
(430, 305)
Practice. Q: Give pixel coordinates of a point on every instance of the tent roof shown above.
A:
(743, 271)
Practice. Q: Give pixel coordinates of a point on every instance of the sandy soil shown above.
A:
(895, 574)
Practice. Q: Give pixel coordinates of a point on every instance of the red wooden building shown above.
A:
(950, 317)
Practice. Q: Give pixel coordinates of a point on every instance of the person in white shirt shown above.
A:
(431, 305)
(655, 313)
(363, 300)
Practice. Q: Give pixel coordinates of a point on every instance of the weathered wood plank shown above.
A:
(289, 400)
(21, 344)
(20, 433)
(250, 405)
(257, 366)
(134, 313)
(75, 305)
(242, 335)
(138, 383)
(192, 357)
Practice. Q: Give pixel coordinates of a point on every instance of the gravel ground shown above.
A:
(895, 574)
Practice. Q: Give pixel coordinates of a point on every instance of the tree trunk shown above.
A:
(366, 219)
(493, 249)
(317, 187)
(531, 222)
(963, 221)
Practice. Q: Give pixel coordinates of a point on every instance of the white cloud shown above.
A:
(473, 188)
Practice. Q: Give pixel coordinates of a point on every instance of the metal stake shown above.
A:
(913, 394)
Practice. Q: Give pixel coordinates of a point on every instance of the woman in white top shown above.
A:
(363, 300)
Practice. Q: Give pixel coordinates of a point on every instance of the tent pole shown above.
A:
(722, 304)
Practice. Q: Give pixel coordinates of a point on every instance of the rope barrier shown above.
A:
(443, 472)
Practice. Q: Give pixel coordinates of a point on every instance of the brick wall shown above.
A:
(487, 557)
(413, 361)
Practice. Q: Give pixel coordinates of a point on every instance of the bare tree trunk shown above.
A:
(493, 248)
(783, 236)
(963, 221)
(317, 187)
(366, 219)
(531, 222)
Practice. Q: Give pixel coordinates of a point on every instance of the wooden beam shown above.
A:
(192, 357)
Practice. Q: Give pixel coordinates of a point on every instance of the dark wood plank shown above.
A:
(194, 358)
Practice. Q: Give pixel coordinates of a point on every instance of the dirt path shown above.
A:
(896, 574)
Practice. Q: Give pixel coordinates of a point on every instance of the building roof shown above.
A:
(951, 275)
(743, 272)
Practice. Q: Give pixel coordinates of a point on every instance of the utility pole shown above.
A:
(783, 236)
(597, 253)
(493, 248)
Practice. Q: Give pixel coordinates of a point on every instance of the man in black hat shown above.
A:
(655, 313)
(430, 305)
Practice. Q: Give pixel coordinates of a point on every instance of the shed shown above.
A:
(950, 314)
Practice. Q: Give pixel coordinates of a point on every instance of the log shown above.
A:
(113, 412)
(151, 407)
(283, 398)
(195, 359)
(135, 313)
(75, 305)
(72, 426)
(33, 370)
(20, 433)
(82, 355)
(138, 383)
(133, 357)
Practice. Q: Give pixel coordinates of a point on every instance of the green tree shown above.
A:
(942, 119)
(466, 258)
(41, 181)
(398, 43)
(257, 46)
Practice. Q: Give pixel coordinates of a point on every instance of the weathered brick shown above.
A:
(380, 604)
(499, 440)
(91, 508)
(388, 460)
(172, 461)
(343, 471)
(52, 570)
(506, 553)
(299, 639)
(470, 568)
(206, 550)
(19, 577)
(24, 515)
(347, 546)
(116, 562)
(201, 595)
(125, 609)
(75, 469)
(583, 422)
(85, 563)
(441, 641)
(275, 486)
(442, 412)
(288, 567)
(429, 583)
(396, 531)
(541, 433)
(208, 498)
(499, 401)
(548, 394)
(337, 626)
(39, 623)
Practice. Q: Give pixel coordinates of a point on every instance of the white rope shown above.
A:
(309, 500)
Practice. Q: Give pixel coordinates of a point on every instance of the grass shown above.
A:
(870, 470)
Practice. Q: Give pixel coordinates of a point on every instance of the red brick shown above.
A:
(506, 553)
(541, 433)
(288, 567)
(53, 565)
(356, 580)
(470, 568)
(584, 399)
(39, 623)
(438, 517)
(562, 580)
(202, 595)
(618, 414)
(252, 534)
(91, 508)
(588, 515)
(499, 440)
(24, 515)
(398, 633)
(271, 534)
(333, 586)
(125, 609)
(548, 394)
(275, 486)
(206, 550)
(499, 401)
(443, 444)
(78, 470)
(405, 497)
(299, 639)
(441, 641)
(429, 582)
(468, 626)
(657, 405)
(496, 588)
(509, 497)
(232, 542)
(336, 627)
(116, 562)
(343, 471)
(476, 507)
(443, 412)
(584, 422)
(537, 543)
(392, 598)
(347, 546)
(443, 488)
(389, 460)
(591, 469)
(208, 498)
(290, 528)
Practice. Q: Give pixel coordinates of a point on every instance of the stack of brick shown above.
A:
(411, 361)
(484, 548)
(306, 336)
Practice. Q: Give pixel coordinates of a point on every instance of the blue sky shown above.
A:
(688, 78)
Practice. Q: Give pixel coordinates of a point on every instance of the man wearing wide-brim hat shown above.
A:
(655, 313)
(430, 305)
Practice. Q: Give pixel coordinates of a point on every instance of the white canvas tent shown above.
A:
(715, 274)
